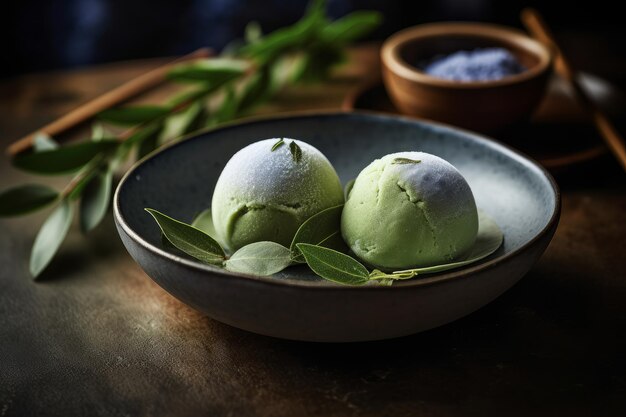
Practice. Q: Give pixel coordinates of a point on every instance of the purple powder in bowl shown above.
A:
(478, 65)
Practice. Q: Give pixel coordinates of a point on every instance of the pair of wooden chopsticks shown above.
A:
(112, 98)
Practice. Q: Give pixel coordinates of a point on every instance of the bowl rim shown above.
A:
(393, 61)
(428, 280)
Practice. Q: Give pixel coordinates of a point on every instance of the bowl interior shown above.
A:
(179, 181)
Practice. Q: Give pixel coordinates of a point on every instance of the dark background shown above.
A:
(52, 34)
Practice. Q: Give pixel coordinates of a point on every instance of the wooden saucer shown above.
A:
(559, 135)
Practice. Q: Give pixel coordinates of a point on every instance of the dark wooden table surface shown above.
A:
(96, 337)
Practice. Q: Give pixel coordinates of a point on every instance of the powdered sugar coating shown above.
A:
(265, 195)
(481, 64)
(437, 183)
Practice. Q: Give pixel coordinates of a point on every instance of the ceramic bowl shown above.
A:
(485, 106)
(295, 304)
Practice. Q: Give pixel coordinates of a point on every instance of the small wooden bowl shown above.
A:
(485, 106)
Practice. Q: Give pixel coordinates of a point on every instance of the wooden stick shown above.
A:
(539, 29)
(109, 99)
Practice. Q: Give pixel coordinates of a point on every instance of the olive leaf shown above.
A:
(180, 123)
(226, 110)
(282, 40)
(25, 198)
(313, 37)
(405, 161)
(278, 144)
(257, 90)
(50, 237)
(204, 221)
(43, 142)
(149, 141)
(384, 278)
(150, 132)
(321, 229)
(98, 132)
(328, 263)
(95, 200)
(315, 64)
(351, 26)
(188, 239)
(198, 93)
(212, 72)
(296, 151)
(83, 177)
(334, 266)
(132, 115)
(64, 159)
(259, 258)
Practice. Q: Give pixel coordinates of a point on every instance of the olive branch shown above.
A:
(218, 90)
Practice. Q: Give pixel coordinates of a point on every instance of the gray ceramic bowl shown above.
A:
(295, 304)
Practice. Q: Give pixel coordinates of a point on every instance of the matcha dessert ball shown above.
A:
(407, 210)
(269, 188)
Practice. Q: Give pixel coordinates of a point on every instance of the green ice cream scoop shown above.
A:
(264, 194)
(409, 209)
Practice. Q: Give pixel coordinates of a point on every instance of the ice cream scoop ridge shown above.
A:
(409, 209)
(265, 194)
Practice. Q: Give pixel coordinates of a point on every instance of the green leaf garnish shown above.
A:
(334, 266)
(25, 199)
(283, 40)
(489, 239)
(259, 258)
(317, 62)
(50, 237)
(228, 108)
(149, 141)
(188, 239)
(180, 123)
(257, 90)
(267, 258)
(204, 221)
(98, 132)
(296, 152)
(210, 72)
(132, 115)
(388, 278)
(321, 229)
(351, 26)
(278, 144)
(403, 161)
(223, 89)
(64, 159)
(95, 200)
(43, 142)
